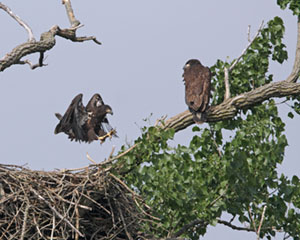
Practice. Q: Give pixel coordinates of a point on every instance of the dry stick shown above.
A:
(53, 227)
(249, 44)
(20, 21)
(89, 158)
(11, 222)
(252, 220)
(228, 70)
(77, 222)
(261, 222)
(25, 221)
(118, 156)
(249, 29)
(111, 153)
(296, 68)
(74, 22)
(56, 212)
(226, 82)
(124, 223)
(37, 227)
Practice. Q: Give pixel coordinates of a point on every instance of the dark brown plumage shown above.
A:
(197, 80)
(86, 123)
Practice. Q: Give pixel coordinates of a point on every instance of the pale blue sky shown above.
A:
(137, 71)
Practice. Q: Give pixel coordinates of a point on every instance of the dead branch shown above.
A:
(20, 21)
(228, 70)
(74, 22)
(47, 40)
(261, 221)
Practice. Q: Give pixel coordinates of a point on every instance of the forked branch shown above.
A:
(47, 40)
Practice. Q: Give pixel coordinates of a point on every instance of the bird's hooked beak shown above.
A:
(186, 66)
(109, 111)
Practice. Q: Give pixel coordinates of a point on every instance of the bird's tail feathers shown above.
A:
(199, 118)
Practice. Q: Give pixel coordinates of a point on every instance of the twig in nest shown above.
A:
(89, 158)
(25, 221)
(124, 223)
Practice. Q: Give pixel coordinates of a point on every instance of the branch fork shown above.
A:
(47, 39)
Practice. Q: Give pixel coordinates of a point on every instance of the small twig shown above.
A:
(261, 222)
(77, 222)
(227, 85)
(37, 227)
(118, 156)
(34, 66)
(25, 221)
(245, 50)
(124, 223)
(235, 227)
(20, 21)
(111, 153)
(89, 158)
(160, 120)
(53, 227)
(228, 70)
(252, 220)
(249, 30)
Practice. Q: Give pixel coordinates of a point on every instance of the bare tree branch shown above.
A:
(296, 68)
(47, 40)
(20, 21)
(227, 85)
(228, 224)
(228, 70)
(261, 221)
(74, 22)
(245, 50)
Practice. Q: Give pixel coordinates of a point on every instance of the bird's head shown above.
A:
(108, 110)
(95, 101)
(190, 63)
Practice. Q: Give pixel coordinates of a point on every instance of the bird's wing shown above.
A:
(73, 120)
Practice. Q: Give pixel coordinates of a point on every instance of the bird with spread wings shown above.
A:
(86, 123)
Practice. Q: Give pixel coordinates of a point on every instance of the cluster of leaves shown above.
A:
(231, 166)
(251, 71)
(213, 175)
(294, 5)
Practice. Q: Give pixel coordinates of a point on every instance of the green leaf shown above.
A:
(290, 115)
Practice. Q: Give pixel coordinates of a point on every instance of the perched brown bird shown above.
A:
(197, 88)
(86, 123)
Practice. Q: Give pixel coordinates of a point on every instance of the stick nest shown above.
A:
(89, 204)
